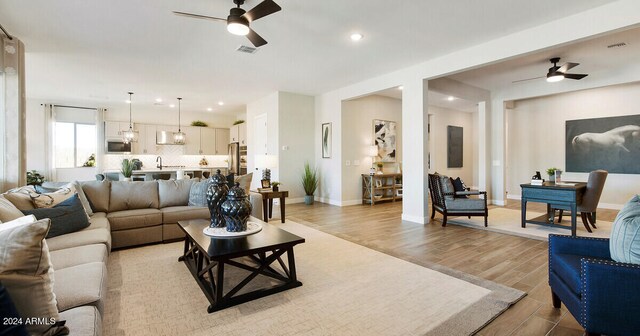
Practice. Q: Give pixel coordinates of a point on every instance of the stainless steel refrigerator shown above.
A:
(237, 159)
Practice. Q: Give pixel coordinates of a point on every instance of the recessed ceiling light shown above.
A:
(128, 101)
(158, 100)
(356, 37)
(172, 105)
(400, 87)
(221, 103)
(209, 109)
(451, 98)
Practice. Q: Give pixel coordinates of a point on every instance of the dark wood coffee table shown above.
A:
(254, 253)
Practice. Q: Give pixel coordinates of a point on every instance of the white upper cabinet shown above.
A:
(113, 129)
(242, 134)
(222, 141)
(192, 143)
(234, 134)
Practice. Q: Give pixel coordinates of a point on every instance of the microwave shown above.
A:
(117, 146)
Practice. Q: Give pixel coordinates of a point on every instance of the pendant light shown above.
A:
(179, 137)
(129, 135)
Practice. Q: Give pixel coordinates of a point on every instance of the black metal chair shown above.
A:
(443, 200)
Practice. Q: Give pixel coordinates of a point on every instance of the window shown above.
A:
(74, 144)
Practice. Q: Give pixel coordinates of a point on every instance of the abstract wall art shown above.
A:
(454, 146)
(384, 137)
(326, 140)
(611, 143)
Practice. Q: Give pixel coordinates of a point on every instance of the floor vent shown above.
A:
(246, 49)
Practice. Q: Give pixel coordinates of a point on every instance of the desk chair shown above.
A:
(590, 199)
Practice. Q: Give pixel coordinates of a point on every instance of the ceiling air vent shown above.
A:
(617, 45)
(247, 49)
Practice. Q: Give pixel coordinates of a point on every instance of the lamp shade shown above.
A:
(266, 161)
(372, 151)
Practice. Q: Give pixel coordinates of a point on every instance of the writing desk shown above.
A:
(556, 196)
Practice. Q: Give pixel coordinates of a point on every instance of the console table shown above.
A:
(560, 196)
(381, 187)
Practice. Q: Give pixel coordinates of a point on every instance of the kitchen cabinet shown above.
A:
(238, 133)
(146, 139)
(113, 129)
(192, 144)
(207, 141)
(222, 141)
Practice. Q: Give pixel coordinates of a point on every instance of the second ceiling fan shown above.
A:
(557, 73)
(239, 20)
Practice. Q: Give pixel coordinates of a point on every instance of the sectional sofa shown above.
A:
(125, 214)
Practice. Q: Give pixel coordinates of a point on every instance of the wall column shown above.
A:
(415, 151)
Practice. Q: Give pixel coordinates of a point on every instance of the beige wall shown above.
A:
(441, 118)
(536, 136)
(357, 136)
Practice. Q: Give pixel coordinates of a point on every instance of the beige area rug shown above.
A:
(347, 289)
(508, 221)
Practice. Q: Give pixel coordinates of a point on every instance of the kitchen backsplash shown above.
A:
(171, 156)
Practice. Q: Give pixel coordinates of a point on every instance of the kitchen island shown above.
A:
(164, 173)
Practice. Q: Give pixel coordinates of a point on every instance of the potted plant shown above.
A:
(34, 178)
(238, 122)
(380, 165)
(199, 123)
(552, 174)
(274, 185)
(126, 169)
(309, 183)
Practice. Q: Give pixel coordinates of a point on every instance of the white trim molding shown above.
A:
(415, 219)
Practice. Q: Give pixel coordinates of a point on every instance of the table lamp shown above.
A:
(372, 151)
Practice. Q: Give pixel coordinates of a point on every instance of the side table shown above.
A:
(267, 203)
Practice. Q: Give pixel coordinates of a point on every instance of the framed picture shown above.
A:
(610, 143)
(326, 140)
(265, 183)
(384, 137)
(378, 183)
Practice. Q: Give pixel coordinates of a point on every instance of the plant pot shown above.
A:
(308, 199)
(552, 178)
(275, 188)
(127, 179)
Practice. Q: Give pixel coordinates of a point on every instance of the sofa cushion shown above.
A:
(130, 219)
(99, 221)
(198, 193)
(174, 193)
(85, 321)
(66, 217)
(97, 193)
(177, 213)
(567, 266)
(21, 197)
(49, 200)
(78, 255)
(8, 211)
(465, 205)
(81, 285)
(80, 238)
(26, 272)
(624, 244)
(133, 195)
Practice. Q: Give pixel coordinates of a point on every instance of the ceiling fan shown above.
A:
(557, 73)
(239, 20)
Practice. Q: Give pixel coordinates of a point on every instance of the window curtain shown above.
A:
(49, 155)
(12, 114)
(100, 139)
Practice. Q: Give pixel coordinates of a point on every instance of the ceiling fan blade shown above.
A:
(267, 7)
(528, 79)
(565, 67)
(575, 76)
(198, 16)
(256, 39)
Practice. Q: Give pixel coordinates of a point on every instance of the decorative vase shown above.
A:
(308, 199)
(236, 209)
(552, 178)
(266, 174)
(216, 195)
(275, 188)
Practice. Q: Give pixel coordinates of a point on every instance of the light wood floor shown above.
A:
(513, 261)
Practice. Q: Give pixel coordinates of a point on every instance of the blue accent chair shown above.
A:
(603, 295)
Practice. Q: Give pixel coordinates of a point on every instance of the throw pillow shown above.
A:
(21, 197)
(26, 272)
(174, 192)
(624, 244)
(8, 211)
(83, 198)
(8, 311)
(198, 194)
(49, 200)
(447, 186)
(66, 217)
(98, 194)
(245, 181)
(458, 185)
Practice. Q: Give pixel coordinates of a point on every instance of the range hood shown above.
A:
(165, 138)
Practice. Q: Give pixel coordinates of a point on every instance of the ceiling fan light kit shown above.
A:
(239, 20)
(557, 73)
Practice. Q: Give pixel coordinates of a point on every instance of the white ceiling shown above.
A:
(436, 99)
(94, 51)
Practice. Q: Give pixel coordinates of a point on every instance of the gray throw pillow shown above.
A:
(198, 193)
(66, 217)
(624, 244)
(8, 211)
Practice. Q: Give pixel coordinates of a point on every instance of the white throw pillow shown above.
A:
(49, 200)
(27, 274)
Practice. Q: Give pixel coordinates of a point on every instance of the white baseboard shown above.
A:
(328, 201)
(497, 202)
(351, 202)
(601, 205)
(294, 200)
(415, 219)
